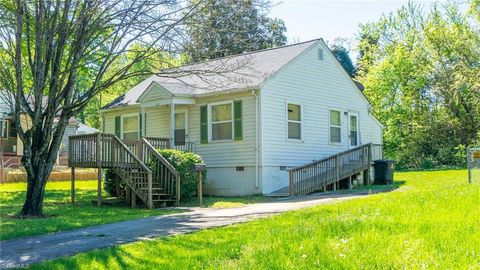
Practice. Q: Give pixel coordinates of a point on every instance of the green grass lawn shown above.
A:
(432, 221)
(61, 215)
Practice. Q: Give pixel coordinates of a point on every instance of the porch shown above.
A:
(159, 116)
(131, 162)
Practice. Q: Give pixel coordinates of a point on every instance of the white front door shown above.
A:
(354, 134)
(181, 130)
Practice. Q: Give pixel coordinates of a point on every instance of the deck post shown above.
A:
(99, 168)
(73, 185)
(127, 194)
(134, 199)
(337, 172)
(291, 184)
(117, 186)
(350, 183)
(369, 160)
(150, 193)
(177, 186)
(200, 191)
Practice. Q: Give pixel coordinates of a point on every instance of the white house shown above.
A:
(251, 116)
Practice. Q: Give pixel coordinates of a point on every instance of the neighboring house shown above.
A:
(279, 108)
(84, 129)
(11, 146)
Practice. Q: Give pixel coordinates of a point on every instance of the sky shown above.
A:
(327, 19)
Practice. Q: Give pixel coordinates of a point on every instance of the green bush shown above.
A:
(109, 184)
(182, 162)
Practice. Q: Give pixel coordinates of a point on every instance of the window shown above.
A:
(294, 121)
(335, 126)
(130, 128)
(221, 116)
(353, 130)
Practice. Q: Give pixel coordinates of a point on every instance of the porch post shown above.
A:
(144, 128)
(172, 125)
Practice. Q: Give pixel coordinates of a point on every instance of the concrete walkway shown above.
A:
(25, 251)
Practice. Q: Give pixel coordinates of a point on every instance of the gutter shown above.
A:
(257, 148)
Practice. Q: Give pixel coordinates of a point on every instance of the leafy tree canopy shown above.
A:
(420, 70)
(227, 27)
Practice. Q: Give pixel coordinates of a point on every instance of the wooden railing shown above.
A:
(165, 175)
(165, 143)
(82, 151)
(318, 174)
(376, 152)
(108, 151)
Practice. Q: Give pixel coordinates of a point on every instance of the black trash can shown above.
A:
(384, 171)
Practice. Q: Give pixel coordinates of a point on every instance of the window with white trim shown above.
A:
(353, 130)
(294, 121)
(221, 125)
(335, 126)
(130, 128)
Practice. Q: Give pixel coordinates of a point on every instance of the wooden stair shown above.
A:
(155, 186)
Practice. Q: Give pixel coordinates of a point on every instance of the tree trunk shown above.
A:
(33, 206)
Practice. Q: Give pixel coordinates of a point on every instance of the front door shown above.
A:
(353, 128)
(181, 134)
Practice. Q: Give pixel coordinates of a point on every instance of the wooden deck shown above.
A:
(131, 162)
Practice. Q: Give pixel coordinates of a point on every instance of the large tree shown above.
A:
(52, 45)
(227, 27)
(420, 70)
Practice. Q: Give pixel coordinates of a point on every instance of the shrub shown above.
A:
(109, 184)
(182, 162)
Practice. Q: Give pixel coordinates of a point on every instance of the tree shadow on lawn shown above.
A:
(61, 215)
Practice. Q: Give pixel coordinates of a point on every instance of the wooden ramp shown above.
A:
(318, 175)
(155, 184)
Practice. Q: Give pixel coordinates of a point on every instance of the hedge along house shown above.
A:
(253, 116)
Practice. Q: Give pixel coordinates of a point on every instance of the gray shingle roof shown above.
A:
(236, 72)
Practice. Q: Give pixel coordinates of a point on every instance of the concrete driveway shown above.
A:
(24, 251)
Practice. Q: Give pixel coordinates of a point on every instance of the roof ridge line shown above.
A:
(243, 54)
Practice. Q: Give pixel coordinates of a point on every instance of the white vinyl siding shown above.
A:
(320, 85)
(228, 153)
(215, 154)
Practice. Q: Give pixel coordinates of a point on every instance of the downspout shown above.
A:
(256, 141)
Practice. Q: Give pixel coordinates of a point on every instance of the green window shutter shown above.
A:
(118, 119)
(1, 128)
(140, 125)
(203, 124)
(238, 123)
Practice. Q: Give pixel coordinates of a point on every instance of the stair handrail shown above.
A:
(151, 150)
(329, 167)
(140, 164)
(329, 157)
